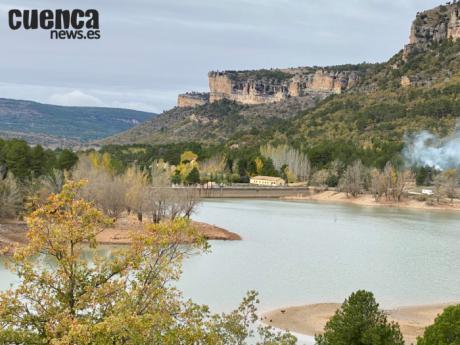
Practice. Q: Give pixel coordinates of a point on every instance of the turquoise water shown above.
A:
(298, 253)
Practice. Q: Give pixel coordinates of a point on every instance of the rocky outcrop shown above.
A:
(192, 99)
(268, 86)
(322, 81)
(416, 81)
(228, 85)
(406, 81)
(433, 26)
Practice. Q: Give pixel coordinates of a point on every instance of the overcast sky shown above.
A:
(151, 50)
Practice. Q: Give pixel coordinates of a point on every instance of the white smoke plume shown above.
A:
(427, 149)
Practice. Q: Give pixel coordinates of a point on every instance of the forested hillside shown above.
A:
(53, 125)
(369, 122)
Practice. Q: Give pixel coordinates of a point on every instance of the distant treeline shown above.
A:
(25, 162)
(321, 155)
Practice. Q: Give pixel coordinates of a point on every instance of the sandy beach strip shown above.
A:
(368, 200)
(14, 232)
(120, 234)
(311, 319)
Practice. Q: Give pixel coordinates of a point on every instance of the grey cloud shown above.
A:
(167, 46)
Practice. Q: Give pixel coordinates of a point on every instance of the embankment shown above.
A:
(254, 192)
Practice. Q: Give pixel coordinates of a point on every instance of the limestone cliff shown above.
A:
(192, 99)
(264, 86)
(269, 86)
(433, 26)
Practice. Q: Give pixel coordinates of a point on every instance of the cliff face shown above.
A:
(375, 108)
(223, 85)
(433, 26)
(269, 86)
(260, 87)
(323, 81)
(192, 99)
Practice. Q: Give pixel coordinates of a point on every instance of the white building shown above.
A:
(267, 181)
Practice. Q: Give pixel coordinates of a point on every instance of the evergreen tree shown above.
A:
(193, 177)
(17, 158)
(175, 179)
(360, 322)
(66, 160)
(268, 168)
(445, 330)
(38, 161)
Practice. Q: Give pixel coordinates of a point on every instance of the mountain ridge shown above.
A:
(429, 65)
(57, 125)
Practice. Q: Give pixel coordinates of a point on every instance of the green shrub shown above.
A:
(445, 330)
(360, 322)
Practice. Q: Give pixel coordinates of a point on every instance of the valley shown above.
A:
(318, 200)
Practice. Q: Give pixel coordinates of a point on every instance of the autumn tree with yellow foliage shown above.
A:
(68, 294)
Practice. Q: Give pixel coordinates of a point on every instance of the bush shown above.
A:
(332, 181)
(360, 322)
(424, 176)
(244, 179)
(421, 198)
(445, 330)
(193, 177)
(66, 160)
(175, 179)
(235, 178)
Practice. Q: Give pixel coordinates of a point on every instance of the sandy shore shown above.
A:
(368, 200)
(120, 233)
(14, 232)
(311, 319)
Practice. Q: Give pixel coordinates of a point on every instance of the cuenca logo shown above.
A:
(63, 24)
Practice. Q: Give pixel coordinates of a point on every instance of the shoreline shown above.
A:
(310, 319)
(14, 232)
(120, 234)
(368, 200)
(329, 196)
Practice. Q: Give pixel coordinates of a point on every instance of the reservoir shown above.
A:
(296, 253)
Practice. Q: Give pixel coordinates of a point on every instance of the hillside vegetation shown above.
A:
(375, 116)
(212, 123)
(51, 124)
